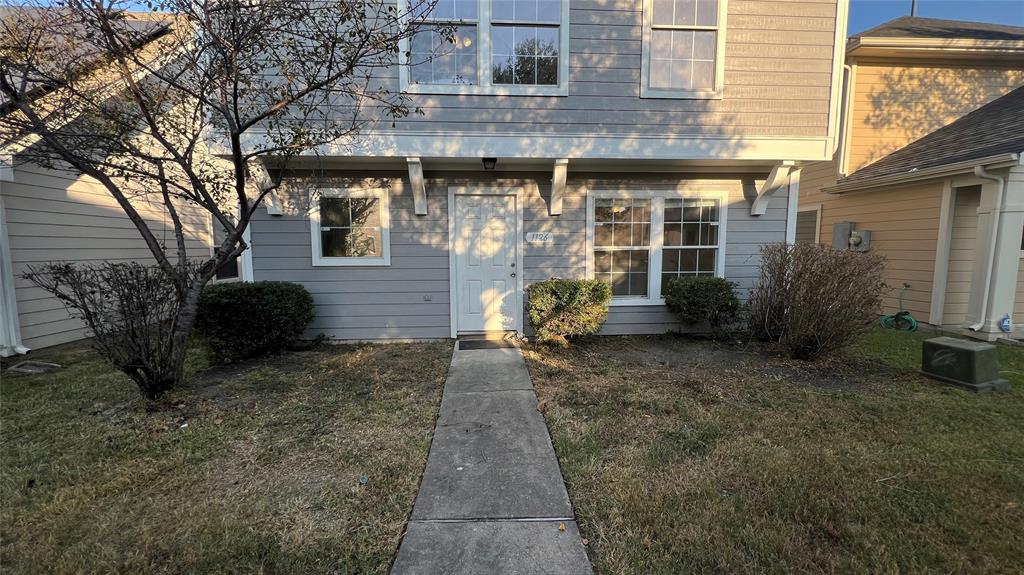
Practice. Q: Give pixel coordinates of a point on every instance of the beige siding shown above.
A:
(59, 216)
(895, 104)
(777, 82)
(961, 255)
(1018, 301)
(904, 223)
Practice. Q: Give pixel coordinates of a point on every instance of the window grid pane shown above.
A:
(350, 228)
(690, 238)
(681, 58)
(622, 237)
(435, 59)
(524, 55)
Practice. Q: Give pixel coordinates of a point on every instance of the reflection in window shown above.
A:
(525, 40)
(350, 228)
(683, 45)
(445, 53)
(690, 238)
(622, 239)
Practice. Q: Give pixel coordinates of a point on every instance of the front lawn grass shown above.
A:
(687, 456)
(307, 462)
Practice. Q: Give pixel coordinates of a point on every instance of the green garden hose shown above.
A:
(901, 320)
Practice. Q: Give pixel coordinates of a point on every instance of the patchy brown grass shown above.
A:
(686, 456)
(304, 463)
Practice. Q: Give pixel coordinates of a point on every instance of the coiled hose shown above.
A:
(901, 320)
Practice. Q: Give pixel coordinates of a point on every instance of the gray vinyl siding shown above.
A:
(60, 216)
(777, 82)
(369, 303)
(365, 303)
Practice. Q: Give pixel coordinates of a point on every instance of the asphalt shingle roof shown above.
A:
(993, 129)
(917, 27)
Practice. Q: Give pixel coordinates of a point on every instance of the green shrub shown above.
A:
(561, 309)
(815, 300)
(246, 319)
(702, 299)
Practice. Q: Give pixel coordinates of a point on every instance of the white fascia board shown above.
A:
(997, 161)
(543, 145)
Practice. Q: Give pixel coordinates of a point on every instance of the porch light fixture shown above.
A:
(489, 163)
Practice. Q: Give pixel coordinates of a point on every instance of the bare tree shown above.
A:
(180, 106)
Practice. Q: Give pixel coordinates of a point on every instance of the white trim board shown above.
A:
(940, 275)
(536, 145)
(519, 192)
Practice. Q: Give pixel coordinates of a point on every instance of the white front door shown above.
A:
(485, 263)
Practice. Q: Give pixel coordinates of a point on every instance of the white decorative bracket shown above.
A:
(419, 189)
(778, 178)
(558, 186)
(261, 178)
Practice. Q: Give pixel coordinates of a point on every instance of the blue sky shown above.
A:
(867, 13)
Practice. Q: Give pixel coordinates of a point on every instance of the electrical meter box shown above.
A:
(973, 365)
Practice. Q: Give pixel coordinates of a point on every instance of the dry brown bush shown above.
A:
(813, 299)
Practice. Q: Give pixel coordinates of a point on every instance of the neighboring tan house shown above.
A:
(930, 167)
(626, 140)
(49, 215)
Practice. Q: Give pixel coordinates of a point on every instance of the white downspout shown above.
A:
(10, 338)
(997, 210)
(844, 120)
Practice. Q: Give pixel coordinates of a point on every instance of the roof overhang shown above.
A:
(956, 48)
(945, 170)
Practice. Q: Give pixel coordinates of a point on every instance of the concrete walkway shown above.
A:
(492, 498)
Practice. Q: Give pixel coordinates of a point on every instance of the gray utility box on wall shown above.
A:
(973, 365)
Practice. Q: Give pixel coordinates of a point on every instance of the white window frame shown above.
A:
(385, 226)
(645, 61)
(485, 84)
(657, 198)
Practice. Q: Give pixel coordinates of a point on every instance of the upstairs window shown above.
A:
(438, 56)
(490, 47)
(683, 47)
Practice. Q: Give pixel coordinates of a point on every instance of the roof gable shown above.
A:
(993, 129)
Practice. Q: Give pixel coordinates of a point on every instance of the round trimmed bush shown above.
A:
(702, 299)
(563, 308)
(246, 319)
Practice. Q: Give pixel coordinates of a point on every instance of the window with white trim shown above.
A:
(350, 228)
(690, 244)
(639, 241)
(622, 245)
(490, 47)
(683, 47)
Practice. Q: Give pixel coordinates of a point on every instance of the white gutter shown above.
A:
(999, 160)
(843, 137)
(993, 238)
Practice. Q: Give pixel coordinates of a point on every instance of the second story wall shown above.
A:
(897, 103)
(777, 75)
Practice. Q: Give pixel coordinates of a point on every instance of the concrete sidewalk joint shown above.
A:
(492, 499)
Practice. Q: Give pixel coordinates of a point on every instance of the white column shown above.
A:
(989, 308)
(10, 324)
